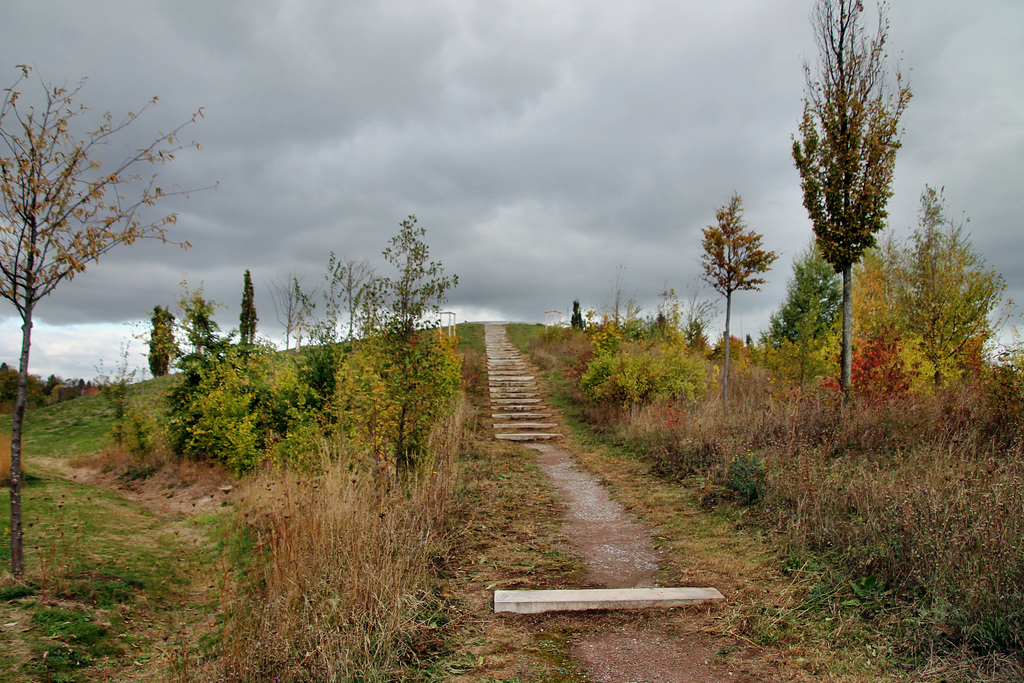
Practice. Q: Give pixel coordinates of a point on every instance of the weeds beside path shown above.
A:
(785, 618)
(514, 539)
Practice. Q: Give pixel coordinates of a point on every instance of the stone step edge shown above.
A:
(519, 416)
(498, 426)
(526, 437)
(567, 600)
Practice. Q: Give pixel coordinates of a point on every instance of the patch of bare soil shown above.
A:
(656, 646)
(631, 655)
(173, 487)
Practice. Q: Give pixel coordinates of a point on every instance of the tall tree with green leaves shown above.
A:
(61, 210)
(848, 139)
(415, 373)
(247, 319)
(946, 292)
(733, 260)
(161, 341)
(814, 296)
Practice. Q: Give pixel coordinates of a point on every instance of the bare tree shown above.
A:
(697, 315)
(287, 299)
(343, 281)
(357, 272)
(60, 212)
(621, 305)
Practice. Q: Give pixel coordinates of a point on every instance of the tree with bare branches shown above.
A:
(286, 296)
(61, 210)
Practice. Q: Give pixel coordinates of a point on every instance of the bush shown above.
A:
(337, 584)
(397, 395)
(218, 410)
(641, 375)
(746, 477)
(1004, 394)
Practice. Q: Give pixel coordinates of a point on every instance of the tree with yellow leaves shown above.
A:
(60, 211)
(849, 136)
(733, 259)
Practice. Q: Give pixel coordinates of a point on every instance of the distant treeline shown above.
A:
(40, 392)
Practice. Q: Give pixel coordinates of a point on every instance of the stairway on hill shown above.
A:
(517, 406)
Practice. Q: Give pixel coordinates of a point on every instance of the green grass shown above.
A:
(104, 575)
(110, 565)
(521, 334)
(80, 426)
(471, 336)
(90, 545)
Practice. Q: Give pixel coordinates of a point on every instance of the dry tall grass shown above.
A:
(920, 493)
(925, 493)
(907, 492)
(339, 583)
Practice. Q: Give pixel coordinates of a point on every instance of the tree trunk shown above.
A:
(846, 359)
(725, 368)
(20, 403)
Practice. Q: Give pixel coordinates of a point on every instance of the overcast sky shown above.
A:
(541, 144)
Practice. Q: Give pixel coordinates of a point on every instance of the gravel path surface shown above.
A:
(617, 554)
(616, 549)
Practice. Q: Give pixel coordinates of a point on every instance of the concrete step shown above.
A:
(532, 602)
(519, 416)
(509, 402)
(524, 425)
(526, 436)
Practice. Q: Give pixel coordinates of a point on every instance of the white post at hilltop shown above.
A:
(447, 324)
(552, 318)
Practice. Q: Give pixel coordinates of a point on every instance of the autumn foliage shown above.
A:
(878, 369)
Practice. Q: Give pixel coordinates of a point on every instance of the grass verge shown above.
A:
(109, 588)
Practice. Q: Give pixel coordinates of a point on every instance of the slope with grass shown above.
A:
(112, 587)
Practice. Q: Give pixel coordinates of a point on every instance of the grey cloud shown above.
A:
(542, 145)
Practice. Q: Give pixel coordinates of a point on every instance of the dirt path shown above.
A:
(616, 550)
(617, 553)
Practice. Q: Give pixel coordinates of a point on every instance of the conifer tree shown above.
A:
(813, 300)
(161, 341)
(247, 318)
(577, 316)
